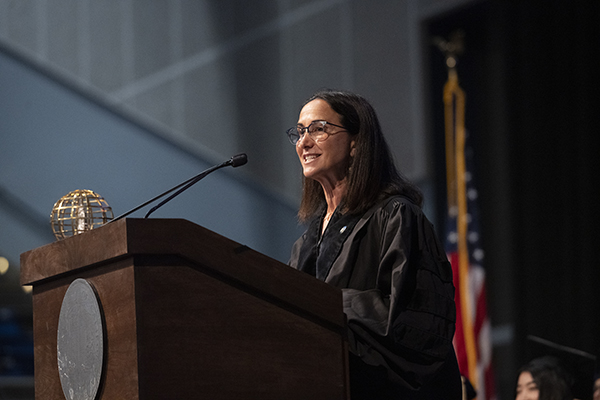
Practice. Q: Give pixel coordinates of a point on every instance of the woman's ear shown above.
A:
(352, 148)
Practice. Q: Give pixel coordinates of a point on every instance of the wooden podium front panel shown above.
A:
(114, 285)
(202, 337)
(190, 314)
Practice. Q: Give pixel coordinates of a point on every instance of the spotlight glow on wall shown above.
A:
(3, 265)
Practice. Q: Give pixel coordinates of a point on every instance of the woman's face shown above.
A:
(526, 388)
(327, 160)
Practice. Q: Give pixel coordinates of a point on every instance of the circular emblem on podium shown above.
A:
(80, 345)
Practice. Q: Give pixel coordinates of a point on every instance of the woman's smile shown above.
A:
(310, 157)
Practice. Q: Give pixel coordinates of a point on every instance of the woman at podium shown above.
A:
(366, 234)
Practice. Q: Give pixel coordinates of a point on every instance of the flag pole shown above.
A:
(454, 114)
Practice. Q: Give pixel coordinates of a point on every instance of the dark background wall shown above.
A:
(555, 123)
(531, 77)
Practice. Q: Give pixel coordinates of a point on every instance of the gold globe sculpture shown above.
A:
(77, 212)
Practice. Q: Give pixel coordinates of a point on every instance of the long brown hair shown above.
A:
(372, 174)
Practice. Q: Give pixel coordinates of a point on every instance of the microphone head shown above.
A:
(239, 159)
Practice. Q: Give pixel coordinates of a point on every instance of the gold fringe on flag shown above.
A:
(454, 112)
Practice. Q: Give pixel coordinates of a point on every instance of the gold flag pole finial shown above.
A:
(452, 48)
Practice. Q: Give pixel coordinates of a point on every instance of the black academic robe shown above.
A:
(398, 296)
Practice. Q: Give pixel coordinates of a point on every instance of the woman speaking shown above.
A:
(367, 235)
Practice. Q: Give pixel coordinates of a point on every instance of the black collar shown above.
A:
(318, 252)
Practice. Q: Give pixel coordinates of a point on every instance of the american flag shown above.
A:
(473, 329)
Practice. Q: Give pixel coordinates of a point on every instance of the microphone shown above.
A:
(235, 161)
(238, 160)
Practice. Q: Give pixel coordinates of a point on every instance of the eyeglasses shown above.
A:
(317, 130)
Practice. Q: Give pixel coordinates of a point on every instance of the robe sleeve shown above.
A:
(406, 322)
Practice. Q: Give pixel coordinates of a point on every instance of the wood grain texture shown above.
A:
(115, 287)
(191, 314)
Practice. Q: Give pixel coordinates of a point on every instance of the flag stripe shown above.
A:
(461, 353)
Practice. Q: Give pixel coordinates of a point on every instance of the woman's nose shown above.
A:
(305, 140)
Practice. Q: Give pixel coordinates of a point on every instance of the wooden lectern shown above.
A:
(189, 314)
